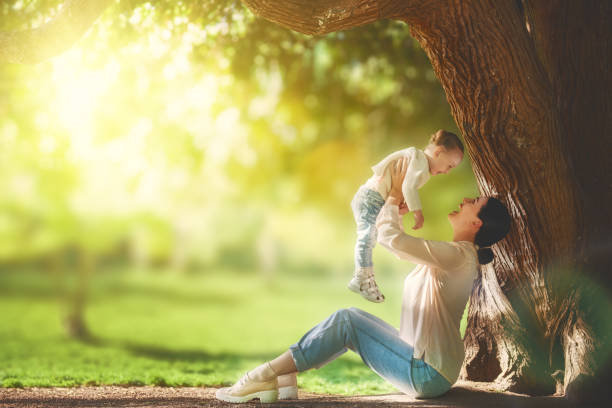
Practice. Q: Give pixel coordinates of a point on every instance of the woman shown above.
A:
(424, 357)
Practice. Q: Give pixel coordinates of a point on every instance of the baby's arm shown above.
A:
(418, 219)
(418, 215)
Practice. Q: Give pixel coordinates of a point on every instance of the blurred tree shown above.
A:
(169, 120)
(541, 141)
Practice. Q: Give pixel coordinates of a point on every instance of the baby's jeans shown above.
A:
(379, 346)
(366, 206)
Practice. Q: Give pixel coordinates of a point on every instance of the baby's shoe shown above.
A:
(249, 387)
(363, 283)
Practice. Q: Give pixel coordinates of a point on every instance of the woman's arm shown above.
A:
(391, 235)
(439, 254)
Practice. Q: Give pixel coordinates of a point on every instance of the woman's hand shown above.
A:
(398, 172)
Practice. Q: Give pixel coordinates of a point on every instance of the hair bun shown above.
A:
(485, 255)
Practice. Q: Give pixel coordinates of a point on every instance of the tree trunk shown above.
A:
(74, 320)
(528, 84)
(574, 42)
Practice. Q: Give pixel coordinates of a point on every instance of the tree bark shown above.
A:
(574, 43)
(55, 36)
(317, 17)
(523, 114)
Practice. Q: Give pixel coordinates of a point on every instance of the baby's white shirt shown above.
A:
(417, 175)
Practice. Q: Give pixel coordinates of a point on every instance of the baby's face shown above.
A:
(444, 160)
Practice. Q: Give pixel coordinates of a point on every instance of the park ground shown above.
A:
(462, 395)
(161, 338)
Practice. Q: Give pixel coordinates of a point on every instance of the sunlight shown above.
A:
(77, 91)
(230, 139)
(124, 172)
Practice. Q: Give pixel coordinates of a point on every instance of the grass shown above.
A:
(178, 330)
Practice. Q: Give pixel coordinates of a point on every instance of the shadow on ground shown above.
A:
(169, 354)
(349, 370)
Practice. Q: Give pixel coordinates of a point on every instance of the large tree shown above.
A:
(528, 83)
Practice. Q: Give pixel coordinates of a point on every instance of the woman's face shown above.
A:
(466, 218)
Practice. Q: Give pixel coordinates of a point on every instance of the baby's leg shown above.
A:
(366, 207)
(366, 240)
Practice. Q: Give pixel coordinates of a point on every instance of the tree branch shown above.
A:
(317, 17)
(54, 37)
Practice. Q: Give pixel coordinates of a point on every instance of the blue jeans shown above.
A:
(366, 205)
(379, 346)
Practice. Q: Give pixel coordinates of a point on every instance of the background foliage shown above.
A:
(189, 138)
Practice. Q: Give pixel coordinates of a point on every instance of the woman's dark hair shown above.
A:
(447, 139)
(495, 225)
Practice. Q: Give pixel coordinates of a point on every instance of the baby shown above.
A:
(443, 153)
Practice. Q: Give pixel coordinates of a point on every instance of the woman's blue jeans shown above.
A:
(379, 346)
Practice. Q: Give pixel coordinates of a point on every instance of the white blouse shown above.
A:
(435, 292)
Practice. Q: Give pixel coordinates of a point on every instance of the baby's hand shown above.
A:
(418, 219)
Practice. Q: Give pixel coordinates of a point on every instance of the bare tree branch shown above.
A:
(54, 37)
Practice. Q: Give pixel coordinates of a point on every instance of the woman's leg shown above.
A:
(283, 364)
(378, 344)
(287, 386)
(287, 380)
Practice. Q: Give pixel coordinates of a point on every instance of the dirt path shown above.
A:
(462, 395)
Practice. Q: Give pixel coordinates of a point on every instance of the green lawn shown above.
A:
(169, 329)
(179, 330)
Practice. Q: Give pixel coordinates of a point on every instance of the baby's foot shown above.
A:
(363, 283)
